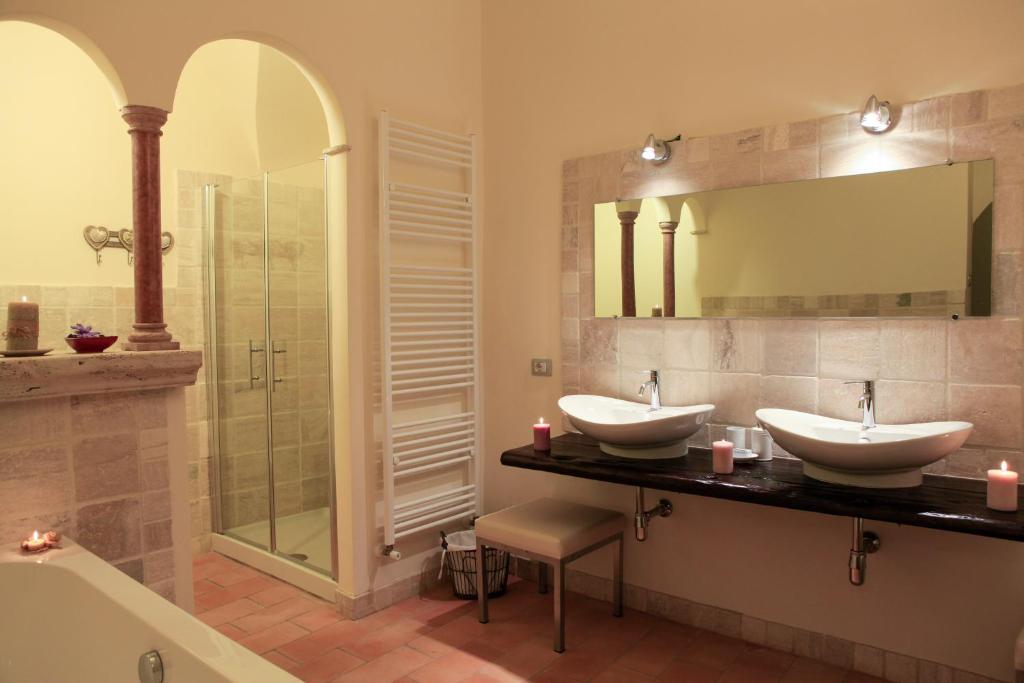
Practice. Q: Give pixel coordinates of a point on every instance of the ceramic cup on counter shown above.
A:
(761, 443)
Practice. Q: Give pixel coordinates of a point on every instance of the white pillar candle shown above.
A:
(22, 325)
(1002, 489)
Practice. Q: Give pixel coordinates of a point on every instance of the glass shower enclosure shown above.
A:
(268, 363)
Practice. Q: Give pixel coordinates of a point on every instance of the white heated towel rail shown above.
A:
(431, 347)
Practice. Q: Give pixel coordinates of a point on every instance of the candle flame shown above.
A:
(1003, 466)
(24, 299)
(35, 535)
(540, 420)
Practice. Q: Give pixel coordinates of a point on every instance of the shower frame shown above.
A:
(213, 375)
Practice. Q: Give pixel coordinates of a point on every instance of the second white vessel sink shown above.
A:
(842, 452)
(632, 430)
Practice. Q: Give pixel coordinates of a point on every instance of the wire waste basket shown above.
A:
(459, 558)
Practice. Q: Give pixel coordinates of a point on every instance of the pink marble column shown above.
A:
(668, 269)
(150, 330)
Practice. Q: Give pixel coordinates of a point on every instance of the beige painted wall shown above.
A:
(586, 86)
(864, 234)
(241, 108)
(50, 189)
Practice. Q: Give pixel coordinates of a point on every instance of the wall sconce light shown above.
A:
(658, 151)
(876, 117)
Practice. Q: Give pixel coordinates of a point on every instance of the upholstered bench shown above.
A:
(552, 532)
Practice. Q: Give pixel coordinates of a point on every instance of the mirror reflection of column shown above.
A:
(628, 210)
(669, 210)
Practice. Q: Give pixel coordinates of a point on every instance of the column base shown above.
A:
(151, 346)
(150, 337)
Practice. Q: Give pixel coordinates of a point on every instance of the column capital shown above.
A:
(628, 216)
(668, 227)
(143, 118)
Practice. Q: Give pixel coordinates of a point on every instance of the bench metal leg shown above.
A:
(542, 578)
(617, 578)
(560, 607)
(481, 582)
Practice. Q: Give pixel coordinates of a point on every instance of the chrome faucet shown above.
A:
(655, 389)
(867, 403)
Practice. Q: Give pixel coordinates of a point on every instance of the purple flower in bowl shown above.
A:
(80, 331)
(84, 339)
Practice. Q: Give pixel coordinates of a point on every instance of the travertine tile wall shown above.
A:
(298, 328)
(186, 316)
(111, 310)
(928, 369)
(930, 303)
(96, 468)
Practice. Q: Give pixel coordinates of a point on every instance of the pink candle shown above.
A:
(1002, 489)
(721, 457)
(541, 436)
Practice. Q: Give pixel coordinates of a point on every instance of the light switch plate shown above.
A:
(540, 367)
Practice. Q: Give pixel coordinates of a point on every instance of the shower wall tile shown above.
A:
(93, 467)
(298, 324)
(928, 368)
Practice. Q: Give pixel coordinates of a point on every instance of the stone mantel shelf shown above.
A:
(69, 374)
(943, 503)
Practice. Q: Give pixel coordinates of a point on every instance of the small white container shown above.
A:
(737, 435)
(761, 443)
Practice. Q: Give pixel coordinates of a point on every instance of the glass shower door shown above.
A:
(270, 401)
(236, 273)
(297, 292)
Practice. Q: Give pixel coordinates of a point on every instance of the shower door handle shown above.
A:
(253, 377)
(273, 364)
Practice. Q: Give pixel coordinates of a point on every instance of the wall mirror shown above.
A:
(914, 242)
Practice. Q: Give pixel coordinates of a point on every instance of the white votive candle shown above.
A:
(1002, 489)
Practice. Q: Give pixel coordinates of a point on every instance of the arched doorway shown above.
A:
(244, 149)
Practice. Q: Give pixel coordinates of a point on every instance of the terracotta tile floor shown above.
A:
(435, 638)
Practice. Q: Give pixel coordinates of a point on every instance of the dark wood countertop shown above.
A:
(944, 503)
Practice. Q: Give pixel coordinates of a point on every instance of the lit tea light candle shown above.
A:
(541, 436)
(721, 457)
(22, 325)
(34, 544)
(1002, 489)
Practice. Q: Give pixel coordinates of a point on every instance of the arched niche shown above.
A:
(65, 165)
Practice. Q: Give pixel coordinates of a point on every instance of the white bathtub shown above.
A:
(67, 616)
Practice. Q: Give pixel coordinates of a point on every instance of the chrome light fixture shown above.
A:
(876, 117)
(657, 151)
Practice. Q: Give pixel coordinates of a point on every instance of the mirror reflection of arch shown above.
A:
(915, 242)
(667, 211)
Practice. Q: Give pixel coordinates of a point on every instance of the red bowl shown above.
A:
(90, 344)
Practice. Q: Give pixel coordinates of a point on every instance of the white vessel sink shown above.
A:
(842, 452)
(633, 430)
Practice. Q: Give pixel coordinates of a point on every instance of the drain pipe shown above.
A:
(643, 517)
(864, 544)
